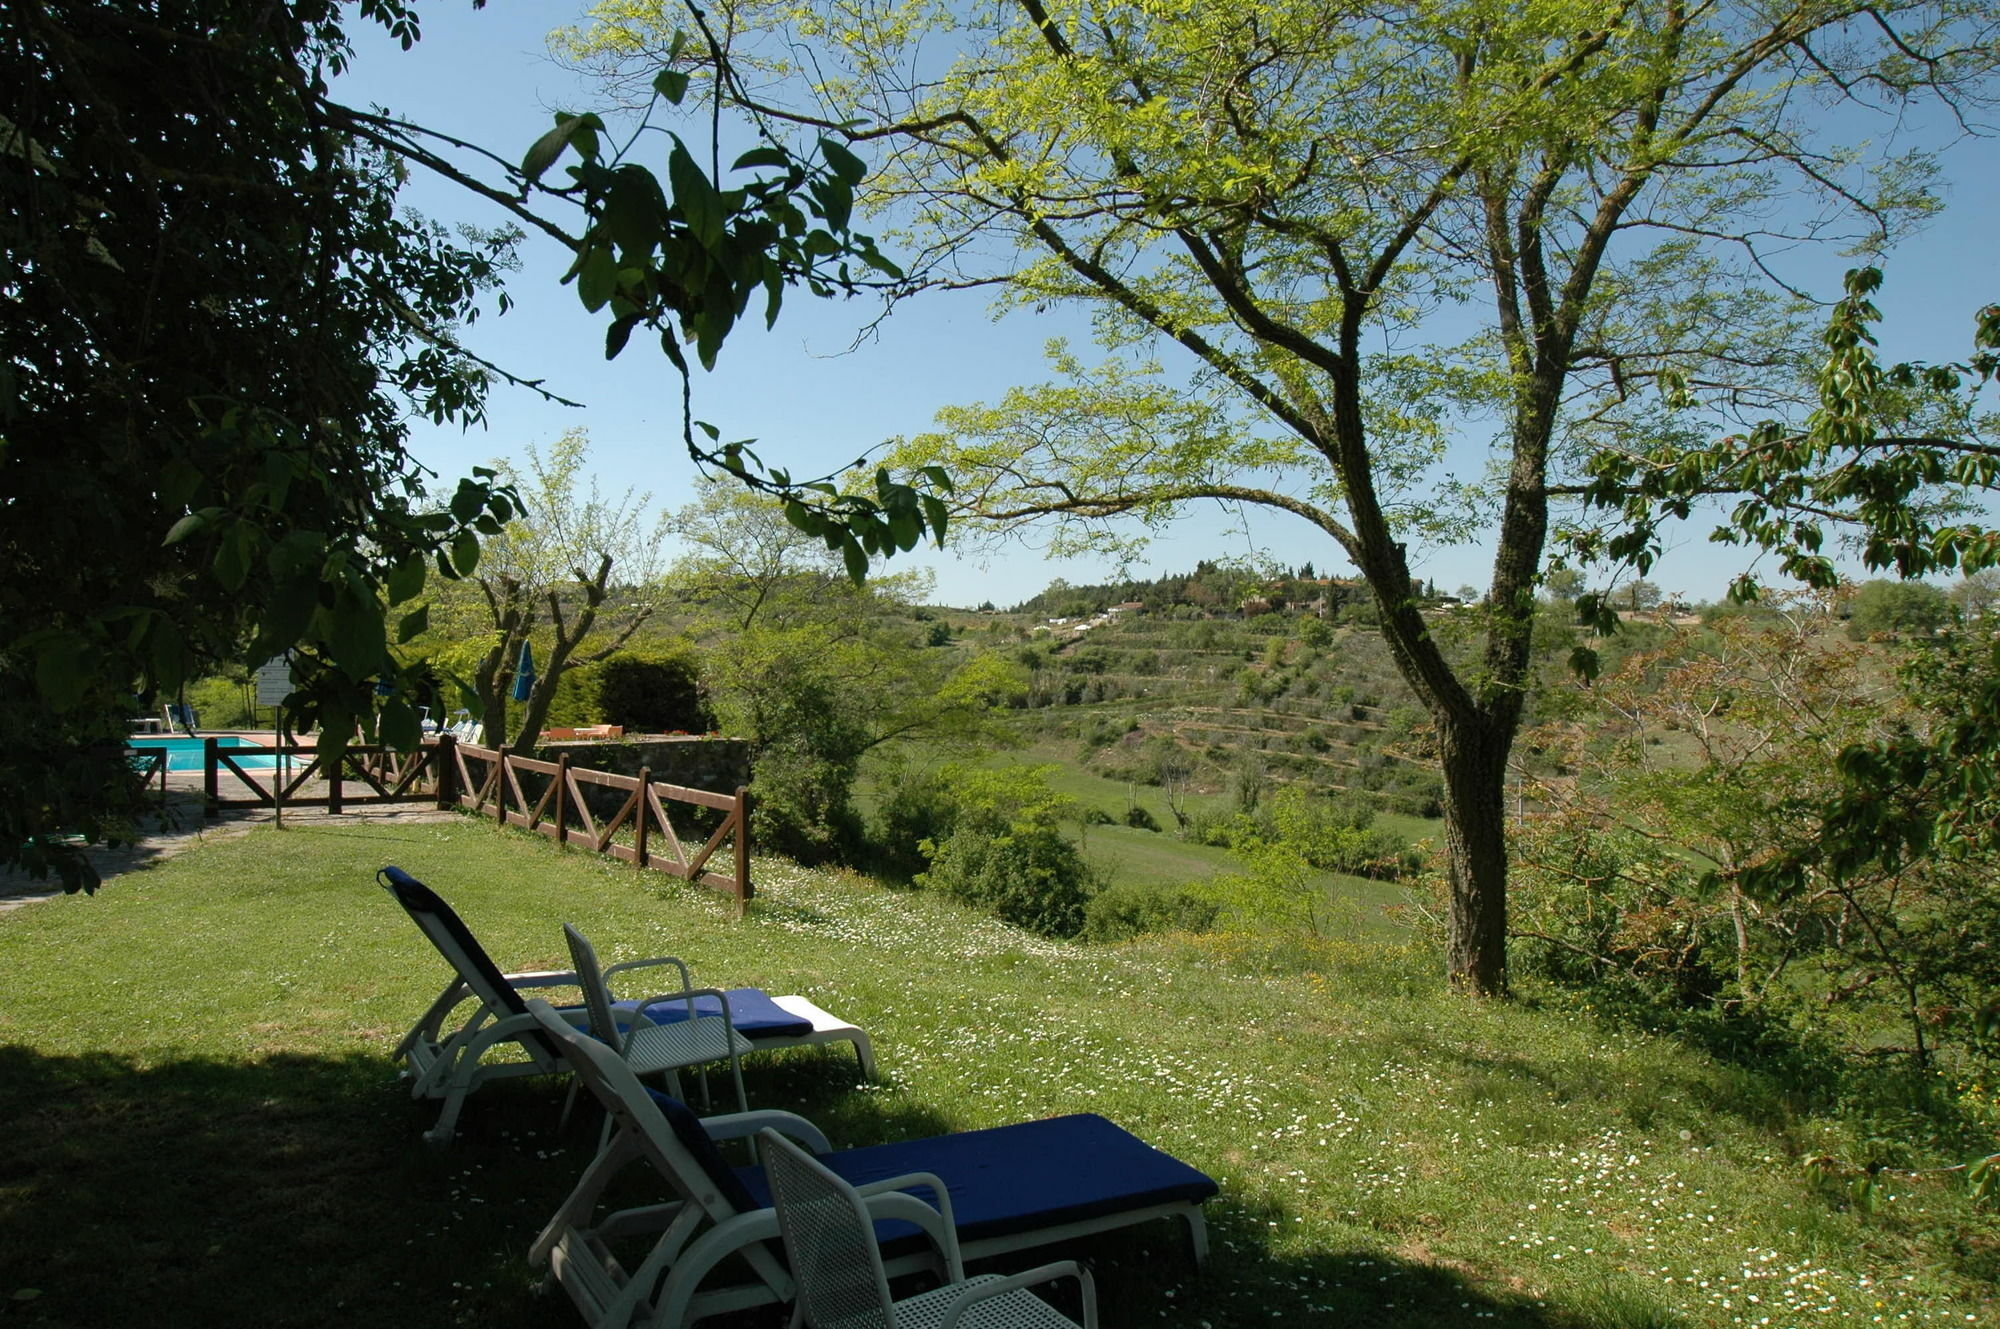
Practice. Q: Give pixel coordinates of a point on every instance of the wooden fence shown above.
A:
(382, 775)
(547, 797)
(550, 798)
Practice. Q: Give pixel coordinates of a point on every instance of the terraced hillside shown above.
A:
(1212, 703)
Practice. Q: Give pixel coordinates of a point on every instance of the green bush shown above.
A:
(803, 809)
(918, 809)
(1006, 852)
(1138, 818)
(655, 694)
(1128, 909)
(225, 703)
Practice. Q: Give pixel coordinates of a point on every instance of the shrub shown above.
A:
(918, 809)
(1130, 909)
(1006, 852)
(802, 808)
(656, 694)
(1138, 818)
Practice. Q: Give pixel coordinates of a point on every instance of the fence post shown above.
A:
(445, 753)
(641, 822)
(500, 784)
(210, 790)
(743, 888)
(562, 799)
(333, 782)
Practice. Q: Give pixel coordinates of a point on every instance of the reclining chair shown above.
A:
(448, 1063)
(715, 1244)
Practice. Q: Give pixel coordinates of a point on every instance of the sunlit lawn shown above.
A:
(203, 1129)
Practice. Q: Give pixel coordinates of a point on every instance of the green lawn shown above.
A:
(203, 1126)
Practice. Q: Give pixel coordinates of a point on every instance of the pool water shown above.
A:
(184, 754)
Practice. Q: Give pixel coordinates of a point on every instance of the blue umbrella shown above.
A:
(524, 673)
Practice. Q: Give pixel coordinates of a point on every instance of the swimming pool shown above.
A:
(184, 754)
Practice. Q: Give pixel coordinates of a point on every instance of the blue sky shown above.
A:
(813, 404)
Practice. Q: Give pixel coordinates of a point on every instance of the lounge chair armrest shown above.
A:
(737, 1125)
(900, 1204)
(687, 995)
(914, 1181)
(972, 1296)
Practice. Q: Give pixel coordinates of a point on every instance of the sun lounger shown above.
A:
(448, 1062)
(715, 1245)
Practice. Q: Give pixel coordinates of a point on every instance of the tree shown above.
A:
(216, 329)
(547, 582)
(1278, 190)
(1895, 607)
(1637, 595)
(1698, 870)
(218, 325)
(1977, 594)
(816, 672)
(741, 557)
(1563, 585)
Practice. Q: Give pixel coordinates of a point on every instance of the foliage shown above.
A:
(217, 329)
(653, 692)
(1581, 167)
(818, 672)
(545, 582)
(1289, 840)
(1125, 910)
(1896, 607)
(1006, 851)
(1687, 849)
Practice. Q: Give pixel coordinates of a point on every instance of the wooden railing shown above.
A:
(495, 783)
(384, 775)
(148, 763)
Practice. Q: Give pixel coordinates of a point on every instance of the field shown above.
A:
(205, 1129)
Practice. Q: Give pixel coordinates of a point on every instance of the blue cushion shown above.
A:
(694, 1138)
(1013, 1179)
(751, 1010)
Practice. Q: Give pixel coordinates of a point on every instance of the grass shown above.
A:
(204, 1128)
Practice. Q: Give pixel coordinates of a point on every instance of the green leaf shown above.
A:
(671, 84)
(413, 625)
(695, 196)
(764, 156)
(467, 501)
(406, 579)
(857, 561)
(597, 277)
(59, 670)
(465, 553)
(185, 527)
(549, 146)
(618, 334)
(847, 168)
(232, 556)
(399, 727)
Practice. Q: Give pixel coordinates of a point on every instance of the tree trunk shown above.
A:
(1474, 756)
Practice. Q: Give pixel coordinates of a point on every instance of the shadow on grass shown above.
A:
(295, 1190)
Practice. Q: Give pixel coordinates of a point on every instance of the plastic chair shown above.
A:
(650, 1042)
(715, 1244)
(829, 1234)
